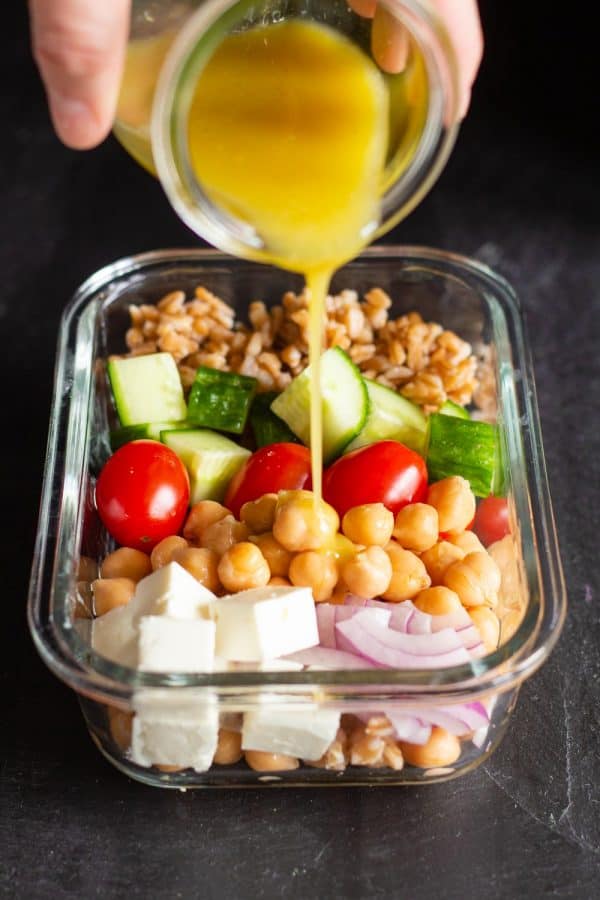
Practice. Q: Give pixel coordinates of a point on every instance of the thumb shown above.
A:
(79, 47)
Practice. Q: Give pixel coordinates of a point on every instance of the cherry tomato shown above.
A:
(386, 472)
(142, 494)
(491, 520)
(276, 467)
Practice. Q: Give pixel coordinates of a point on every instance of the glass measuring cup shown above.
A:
(171, 42)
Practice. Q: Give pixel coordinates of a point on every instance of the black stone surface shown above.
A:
(521, 192)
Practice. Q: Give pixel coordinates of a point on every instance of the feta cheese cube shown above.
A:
(175, 645)
(182, 736)
(114, 635)
(172, 591)
(303, 733)
(265, 623)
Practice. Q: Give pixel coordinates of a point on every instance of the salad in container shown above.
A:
(226, 619)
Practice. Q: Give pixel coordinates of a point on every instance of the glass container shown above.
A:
(464, 296)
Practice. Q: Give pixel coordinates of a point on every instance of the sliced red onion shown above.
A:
(393, 649)
(326, 624)
(469, 636)
(329, 614)
(327, 658)
(409, 728)
(458, 619)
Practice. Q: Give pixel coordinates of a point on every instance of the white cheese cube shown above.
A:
(175, 645)
(184, 738)
(114, 635)
(265, 623)
(172, 591)
(304, 733)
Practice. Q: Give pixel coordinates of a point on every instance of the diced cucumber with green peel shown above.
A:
(211, 460)
(266, 426)
(464, 447)
(149, 430)
(450, 408)
(391, 418)
(344, 399)
(220, 400)
(147, 389)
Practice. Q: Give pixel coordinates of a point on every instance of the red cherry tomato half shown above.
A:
(491, 520)
(142, 494)
(386, 472)
(276, 467)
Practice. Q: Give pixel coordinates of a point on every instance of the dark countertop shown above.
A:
(522, 193)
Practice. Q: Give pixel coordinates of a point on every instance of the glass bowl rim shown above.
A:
(500, 670)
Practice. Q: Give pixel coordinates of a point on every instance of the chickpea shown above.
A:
(278, 557)
(438, 601)
(229, 748)
(259, 515)
(315, 570)
(369, 573)
(340, 592)
(467, 541)
(84, 601)
(487, 568)
(119, 724)
(126, 563)
(487, 624)
(442, 749)
(278, 581)
(200, 516)
(303, 523)
(437, 559)
(202, 564)
(243, 567)
(510, 623)
(369, 524)
(409, 575)
(270, 762)
(87, 569)
(111, 592)
(454, 501)
(165, 551)
(223, 534)
(416, 527)
(475, 579)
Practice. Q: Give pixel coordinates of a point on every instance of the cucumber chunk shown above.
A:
(149, 430)
(345, 403)
(147, 389)
(266, 426)
(220, 400)
(211, 460)
(391, 418)
(464, 447)
(450, 408)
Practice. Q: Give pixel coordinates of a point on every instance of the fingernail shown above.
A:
(74, 122)
(390, 42)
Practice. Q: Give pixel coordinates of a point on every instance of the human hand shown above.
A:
(390, 41)
(79, 47)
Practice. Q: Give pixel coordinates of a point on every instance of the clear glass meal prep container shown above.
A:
(460, 293)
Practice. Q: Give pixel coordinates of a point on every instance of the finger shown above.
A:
(364, 8)
(461, 18)
(390, 41)
(79, 46)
